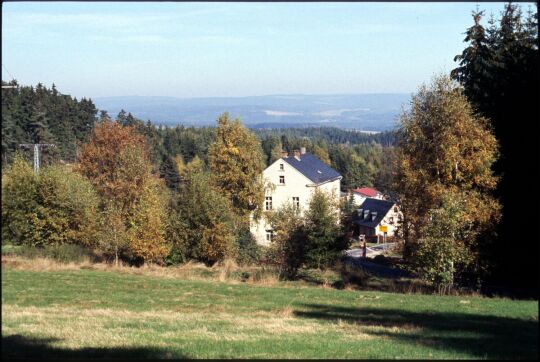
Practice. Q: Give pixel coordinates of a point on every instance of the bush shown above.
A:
(56, 207)
(287, 251)
(248, 251)
(352, 275)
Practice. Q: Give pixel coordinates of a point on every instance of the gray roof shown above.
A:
(313, 168)
(381, 207)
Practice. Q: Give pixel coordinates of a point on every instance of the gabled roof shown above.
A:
(313, 168)
(381, 207)
(367, 191)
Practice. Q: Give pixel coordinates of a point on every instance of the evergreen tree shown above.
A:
(325, 240)
(502, 84)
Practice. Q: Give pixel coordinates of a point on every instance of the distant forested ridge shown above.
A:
(330, 135)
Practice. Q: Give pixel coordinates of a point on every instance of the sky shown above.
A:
(190, 49)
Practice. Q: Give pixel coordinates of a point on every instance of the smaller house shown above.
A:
(362, 193)
(377, 220)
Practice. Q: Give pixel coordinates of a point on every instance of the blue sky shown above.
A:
(232, 49)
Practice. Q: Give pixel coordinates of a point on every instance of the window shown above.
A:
(282, 180)
(268, 202)
(391, 219)
(281, 167)
(395, 209)
(269, 235)
(296, 202)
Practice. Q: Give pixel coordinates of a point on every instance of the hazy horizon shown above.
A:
(202, 50)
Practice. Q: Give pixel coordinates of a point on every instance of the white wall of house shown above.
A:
(359, 198)
(295, 185)
(391, 221)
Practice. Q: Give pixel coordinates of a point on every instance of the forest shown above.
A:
(41, 115)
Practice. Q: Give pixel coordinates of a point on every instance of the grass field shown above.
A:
(73, 312)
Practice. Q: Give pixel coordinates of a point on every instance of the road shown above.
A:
(354, 257)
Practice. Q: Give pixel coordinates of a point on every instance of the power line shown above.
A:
(13, 79)
(8, 72)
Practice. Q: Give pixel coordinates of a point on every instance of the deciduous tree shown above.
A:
(236, 163)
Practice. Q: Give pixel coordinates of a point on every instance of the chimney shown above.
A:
(302, 150)
(284, 154)
(297, 154)
(373, 216)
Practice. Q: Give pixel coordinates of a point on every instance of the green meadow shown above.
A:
(85, 312)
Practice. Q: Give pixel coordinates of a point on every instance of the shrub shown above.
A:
(248, 251)
(56, 207)
(287, 251)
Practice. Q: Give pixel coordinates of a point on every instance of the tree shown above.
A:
(116, 161)
(287, 250)
(236, 163)
(499, 72)
(201, 222)
(325, 239)
(448, 246)
(322, 154)
(444, 149)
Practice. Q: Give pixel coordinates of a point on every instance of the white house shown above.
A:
(363, 193)
(294, 179)
(377, 220)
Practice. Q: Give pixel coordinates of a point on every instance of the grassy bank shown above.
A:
(73, 312)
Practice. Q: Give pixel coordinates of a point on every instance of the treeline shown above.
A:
(329, 134)
(42, 115)
(113, 201)
(499, 71)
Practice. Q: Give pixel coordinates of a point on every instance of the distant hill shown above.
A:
(369, 112)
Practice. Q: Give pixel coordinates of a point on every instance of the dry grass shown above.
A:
(76, 327)
(44, 264)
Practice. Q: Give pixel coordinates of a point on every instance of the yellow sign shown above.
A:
(383, 229)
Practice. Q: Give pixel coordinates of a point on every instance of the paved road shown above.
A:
(354, 257)
(370, 250)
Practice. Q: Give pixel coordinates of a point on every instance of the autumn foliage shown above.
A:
(116, 161)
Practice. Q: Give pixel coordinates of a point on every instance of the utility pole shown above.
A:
(37, 147)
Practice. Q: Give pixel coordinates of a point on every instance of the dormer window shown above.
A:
(282, 180)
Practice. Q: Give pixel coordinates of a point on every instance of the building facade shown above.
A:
(293, 179)
(377, 220)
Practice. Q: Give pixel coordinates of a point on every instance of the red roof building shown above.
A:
(367, 191)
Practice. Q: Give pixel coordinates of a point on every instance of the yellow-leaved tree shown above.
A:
(444, 180)
(236, 163)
